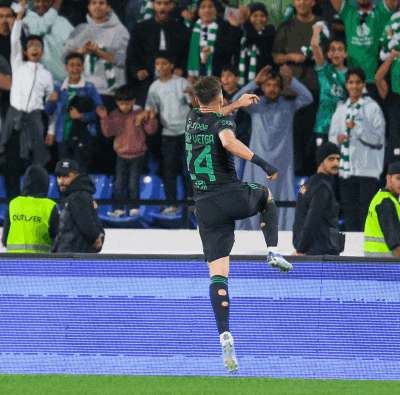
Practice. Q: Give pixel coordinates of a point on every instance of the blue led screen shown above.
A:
(154, 317)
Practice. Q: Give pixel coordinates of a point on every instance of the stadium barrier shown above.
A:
(330, 317)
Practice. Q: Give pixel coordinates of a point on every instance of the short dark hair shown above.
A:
(217, 4)
(358, 71)
(274, 74)
(338, 39)
(207, 89)
(165, 55)
(73, 55)
(231, 69)
(32, 37)
(125, 93)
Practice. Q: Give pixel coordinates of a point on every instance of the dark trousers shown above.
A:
(127, 173)
(356, 194)
(173, 151)
(304, 140)
(14, 166)
(80, 153)
(104, 150)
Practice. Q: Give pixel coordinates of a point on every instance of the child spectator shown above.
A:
(74, 87)
(358, 128)
(213, 41)
(171, 96)
(364, 24)
(103, 41)
(391, 97)
(54, 29)
(331, 77)
(22, 136)
(125, 124)
(230, 85)
(257, 41)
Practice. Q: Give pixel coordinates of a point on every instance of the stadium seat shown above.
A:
(54, 192)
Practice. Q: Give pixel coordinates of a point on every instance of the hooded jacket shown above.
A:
(111, 35)
(36, 184)
(79, 224)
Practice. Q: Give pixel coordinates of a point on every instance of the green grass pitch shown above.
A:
(176, 385)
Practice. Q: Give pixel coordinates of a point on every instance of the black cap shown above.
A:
(257, 6)
(326, 149)
(66, 166)
(394, 168)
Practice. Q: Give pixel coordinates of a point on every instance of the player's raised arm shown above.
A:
(232, 144)
(244, 101)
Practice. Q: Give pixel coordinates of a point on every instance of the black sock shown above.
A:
(221, 312)
(269, 224)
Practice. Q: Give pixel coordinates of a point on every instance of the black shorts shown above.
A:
(216, 217)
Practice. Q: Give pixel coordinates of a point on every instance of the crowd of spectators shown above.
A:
(329, 71)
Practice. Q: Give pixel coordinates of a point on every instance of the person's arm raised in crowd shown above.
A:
(304, 96)
(380, 75)
(16, 47)
(315, 46)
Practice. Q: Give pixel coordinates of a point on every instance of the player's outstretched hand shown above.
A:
(272, 176)
(247, 99)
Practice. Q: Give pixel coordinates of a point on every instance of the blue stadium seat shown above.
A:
(54, 192)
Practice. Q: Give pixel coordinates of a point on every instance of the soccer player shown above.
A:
(221, 197)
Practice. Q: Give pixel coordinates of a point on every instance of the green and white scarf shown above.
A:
(391, 37)
(252, 53)
(323, 35)
(90, 64)
(351, 113)
(146, 10)
(192, 6)
(197, 43)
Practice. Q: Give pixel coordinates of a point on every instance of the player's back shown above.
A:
(211, 166)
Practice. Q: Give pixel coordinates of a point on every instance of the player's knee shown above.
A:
(224, 304)
(222, 292)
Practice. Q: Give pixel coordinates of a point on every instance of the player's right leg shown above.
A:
(219, 296)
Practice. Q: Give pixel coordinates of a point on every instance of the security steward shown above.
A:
(31, 223)
(316, 224)
(80, 229)
(382, 227)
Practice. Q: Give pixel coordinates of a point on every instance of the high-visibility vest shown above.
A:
(374, 240)
(29, 225)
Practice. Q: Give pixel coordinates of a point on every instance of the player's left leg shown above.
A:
(269, 226)
(219, 270)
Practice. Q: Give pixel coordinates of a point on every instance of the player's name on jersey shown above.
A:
(196, 125)
(199, 138)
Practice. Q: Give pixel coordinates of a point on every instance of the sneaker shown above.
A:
(277, 260)
(134, 212)
(170, 211)
(116, 213)
(228, 352)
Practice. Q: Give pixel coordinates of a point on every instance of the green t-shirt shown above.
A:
(363, 40)
(332, 91)
(72, 92)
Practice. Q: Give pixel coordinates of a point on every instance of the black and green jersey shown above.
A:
(211, 166)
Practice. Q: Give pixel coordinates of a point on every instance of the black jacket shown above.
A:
(145, 43)
(79, 224)
(36, 184)
(316, 224)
